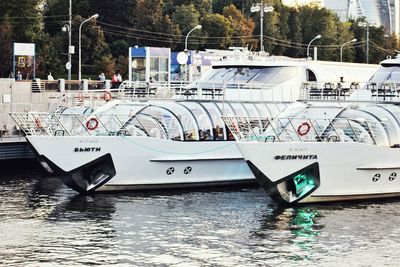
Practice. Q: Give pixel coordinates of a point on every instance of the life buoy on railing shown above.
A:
(92, 124)
(107, 96)
(38, 123)
(303, 128)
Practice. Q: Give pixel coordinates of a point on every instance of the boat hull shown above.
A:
(335, 171)
(141, 163)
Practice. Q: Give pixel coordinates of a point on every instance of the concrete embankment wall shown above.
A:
(17, 96)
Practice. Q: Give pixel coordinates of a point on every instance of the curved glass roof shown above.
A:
(376, 123)
(192, 120)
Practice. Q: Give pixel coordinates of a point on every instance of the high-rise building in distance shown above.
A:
(378, 13)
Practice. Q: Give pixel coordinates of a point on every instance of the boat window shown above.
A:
(386, 74)
(311, 76)
(274, 109)
(218, 123)
(275, 75)
(167, 121)
(377, 123)
(254, 116)
(148, 124)
(239, 109)
(185, 118)
(226, 109)
(264, 110)
(247, 74)
(294, 110)
(203, 120)
(139, 69)
(251, 110)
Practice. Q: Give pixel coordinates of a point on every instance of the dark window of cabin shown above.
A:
(311, 76)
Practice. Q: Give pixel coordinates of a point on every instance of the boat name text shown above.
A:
(87, 149)
(292, 157)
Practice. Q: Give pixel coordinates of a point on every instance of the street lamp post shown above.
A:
(261, 8)
(308, 47)
(198, 27)
(69, 40)
(341, 48)
(365, 25)
(95, 16)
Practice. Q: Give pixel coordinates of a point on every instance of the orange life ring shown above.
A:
(38, 123)
(303, 128)
(107, 96)
(92, 124)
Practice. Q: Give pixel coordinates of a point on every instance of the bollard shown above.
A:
(107, 84)
(37, 80)
(85, 85)
(61, 85)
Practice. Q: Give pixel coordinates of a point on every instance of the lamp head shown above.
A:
(95, 16)
(354, 40)
(318, 36)
(198, 27)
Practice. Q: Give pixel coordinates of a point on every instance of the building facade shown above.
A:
(377, 12)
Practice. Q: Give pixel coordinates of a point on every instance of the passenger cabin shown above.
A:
(276, 79)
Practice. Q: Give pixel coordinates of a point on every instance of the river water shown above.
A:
(43, 223)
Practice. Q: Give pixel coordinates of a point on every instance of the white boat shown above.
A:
(330, 150)
(128, 145)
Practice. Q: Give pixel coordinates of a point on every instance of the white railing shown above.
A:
(247, 129)
(351, 91)
(56, 124)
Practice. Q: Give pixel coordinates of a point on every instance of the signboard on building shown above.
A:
(24, 60)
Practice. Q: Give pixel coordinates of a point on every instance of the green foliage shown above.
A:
(204, 7)
(242, 28)
(218, 31)
(186, 17)
(165, 23)
(5, 48)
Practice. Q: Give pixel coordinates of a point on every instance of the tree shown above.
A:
(294, 34)
(242, 28)
(186, 17)
(271, 30)
(117, 12)
(243, 5)
(94, 47)
(155, 28)
(5, 48)
(218, 31)
(203, 7)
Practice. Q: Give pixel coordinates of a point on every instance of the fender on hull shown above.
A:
(290, 189)
(88, 177)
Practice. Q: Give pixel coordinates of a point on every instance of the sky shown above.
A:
(300, 2)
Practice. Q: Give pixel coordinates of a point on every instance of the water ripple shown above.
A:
(43, 223)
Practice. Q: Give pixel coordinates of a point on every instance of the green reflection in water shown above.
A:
(304, 230)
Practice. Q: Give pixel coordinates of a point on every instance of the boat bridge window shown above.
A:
(386, 74)
(248, 74)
